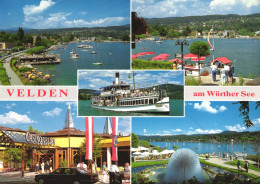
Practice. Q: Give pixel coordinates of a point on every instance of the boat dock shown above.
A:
(40, 59)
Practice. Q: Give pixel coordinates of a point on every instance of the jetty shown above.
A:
(39, 59)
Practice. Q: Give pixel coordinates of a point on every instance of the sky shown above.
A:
(49, 116)
(181, 8)
(43, 14)
(200, 118)
(88, 79)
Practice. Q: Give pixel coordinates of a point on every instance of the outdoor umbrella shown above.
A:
(176, 60)
(134, 56)
(141, 54)
(165, 55)
(150, 53)
(159, 58)
(194, 57)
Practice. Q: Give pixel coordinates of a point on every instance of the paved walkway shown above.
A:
(15, 178)
(13, 78)
(222, 163)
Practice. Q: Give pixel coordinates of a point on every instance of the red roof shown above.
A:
(222, 60)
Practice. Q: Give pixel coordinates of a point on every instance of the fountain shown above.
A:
(183, 165)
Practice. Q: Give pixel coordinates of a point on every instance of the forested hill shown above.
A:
(123, 28)
(204, 18)
(220, 137)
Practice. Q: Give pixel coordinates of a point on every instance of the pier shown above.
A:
(40, 59)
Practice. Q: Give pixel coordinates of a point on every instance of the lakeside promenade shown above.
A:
(222, 162)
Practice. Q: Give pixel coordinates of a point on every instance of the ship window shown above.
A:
(150, 101)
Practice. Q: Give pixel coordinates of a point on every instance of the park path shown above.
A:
(221, 162)
(13, 78)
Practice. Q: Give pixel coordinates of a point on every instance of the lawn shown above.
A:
(149, 163)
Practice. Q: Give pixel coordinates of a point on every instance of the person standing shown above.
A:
(127, 168)
(238, 165)
(223, 76)
(214, 72)
(112, 172)
(104, 172)
(47, 167)
(51, 166)
(37, 167)
(42, 166)
(246, 166)
(231, 71)
(227, 69)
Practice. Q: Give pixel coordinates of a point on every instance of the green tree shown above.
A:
(30, 128)
(126, 38)
(144, 144)
(135, 140)
(97, 147)
(200, 49)
(186, 31)
(20, 34)
(13, 155)
(244, 110)
(175, 147)
(38, 41)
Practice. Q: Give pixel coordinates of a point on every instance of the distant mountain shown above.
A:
(15, 29)
(203, 18)
(219, 137)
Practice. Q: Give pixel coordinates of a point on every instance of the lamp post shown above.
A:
(181, 43)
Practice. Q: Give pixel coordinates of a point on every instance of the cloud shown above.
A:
(256, 121)
(30, 10)
(205, 106)
(177, 8)
(109, 21)
(54, 112)
(14, 118)
(177, 130)
(216, 4)
(83, 13)
(236, 128)
(144, 130)
(9, 106)
(124, 125)
(166, 132)
(9, 13)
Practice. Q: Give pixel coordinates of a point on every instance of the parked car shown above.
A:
(68, 176)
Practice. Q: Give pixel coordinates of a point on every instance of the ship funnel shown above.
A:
(117, 77)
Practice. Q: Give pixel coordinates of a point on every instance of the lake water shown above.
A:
(204, 147)
(113, 55)
(85, 109)
(245, 52)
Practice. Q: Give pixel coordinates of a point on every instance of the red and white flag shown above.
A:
(114, 134)
(89, 123)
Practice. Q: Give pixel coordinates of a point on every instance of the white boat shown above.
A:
(93, 52)
(85, 46)
(119, 97)
(75, 56)
(159, 41)
(97, 63)
(72, 52)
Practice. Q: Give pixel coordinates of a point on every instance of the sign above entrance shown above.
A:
(35, 139)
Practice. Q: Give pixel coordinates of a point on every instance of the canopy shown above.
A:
(222, 60)
(143, 148)
(137, 153)
(194, 57)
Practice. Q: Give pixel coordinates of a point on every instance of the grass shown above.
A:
(148, 163)
(3, 76)
(140, 64)
(242, 163)
(231, 170)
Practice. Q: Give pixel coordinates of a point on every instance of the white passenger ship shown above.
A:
(119, 97)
